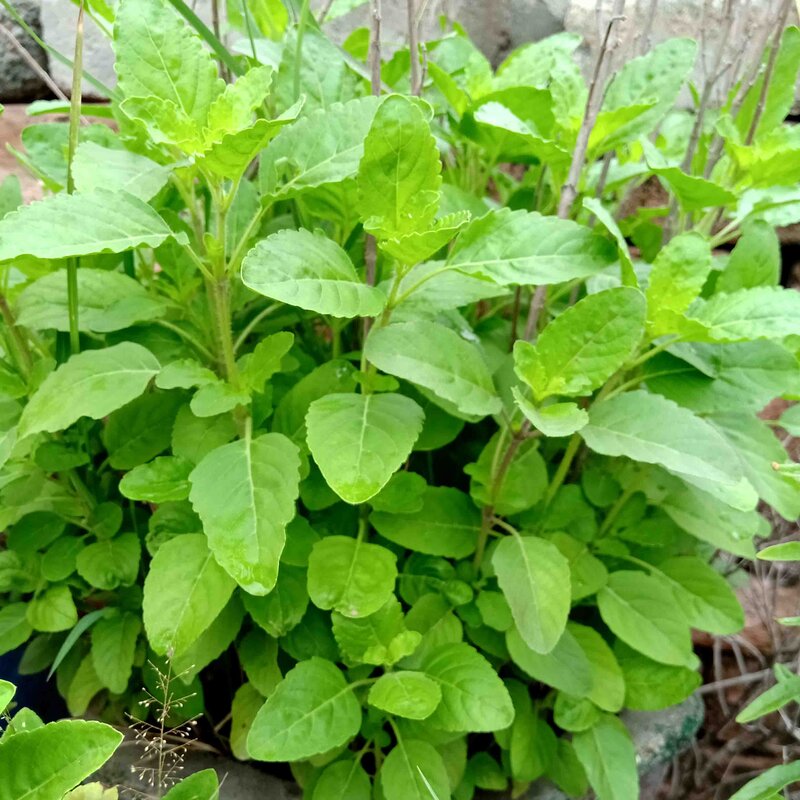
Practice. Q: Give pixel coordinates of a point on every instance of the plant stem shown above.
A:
(298, 53)
(219, 302)
(22, 353)
(248, 329)
(74, 126)
(563, 468)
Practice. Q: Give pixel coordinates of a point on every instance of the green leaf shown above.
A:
(14, 626)
(655, 77)
(755, 261)
(557, 419)
(233, 109)
(473, 696)
(447, 525)
(193, 437)
(343, 780)
(524, 248)
(47, 762)
(769, 784)
(53, 610)
(652, 429)
(787, 551)
(162, 480)
(97, 167)
(438, 359)
(323, 147)
(158, 55)
(184, 591)
(246, 704)
(758, 449)
(607, 754)
(417, 246)
(360, 440)
(532, 743)
(83, 686)
(524, 482)
(678, 275)
(406, 694)
(311, 271)
(110, 563)
(398, 177)
(211, 643)
(566, 667)
(259, 656)
(765, 312)
(351, 576)
(535, 579)
(202, 785)
(107, 301)
(283, 608)
(705, 596)
(644, 613)
(583, 347)
(114, 649)
(140, 430)
(779, 96)
(231, 155)
(743, 377)
(414, 770)
(91, 384)
(7, 692)
(108, 222)
(785, 691)
(650, 686)
(245, 494)
(313, 710)
(608, 684)
(380, 638)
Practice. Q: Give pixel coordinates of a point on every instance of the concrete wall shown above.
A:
(496, 25)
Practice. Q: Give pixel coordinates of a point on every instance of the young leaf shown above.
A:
(158, 55)
(556, 419)
(353, 577)
(652, 429)
(438, 359)
(785, 691)
(360, 440)
(184, 591)
(447, 525)
(398, 177)
(162, 480)
(91, 384)
(609, 758)
(643, 612)
(412, 695)
(414, 770)
(64, 225)
(245, 494)
(313, 710)
(518, 247)
(473, 696)
(311, 271)
(678, 275)
(787, 551)
(47, 762)
(584, 346)
(535, 579)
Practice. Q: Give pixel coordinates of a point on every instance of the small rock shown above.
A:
(18, 81)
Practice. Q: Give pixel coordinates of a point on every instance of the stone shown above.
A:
(18, 81)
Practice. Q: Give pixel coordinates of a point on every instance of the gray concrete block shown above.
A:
(18, 81)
